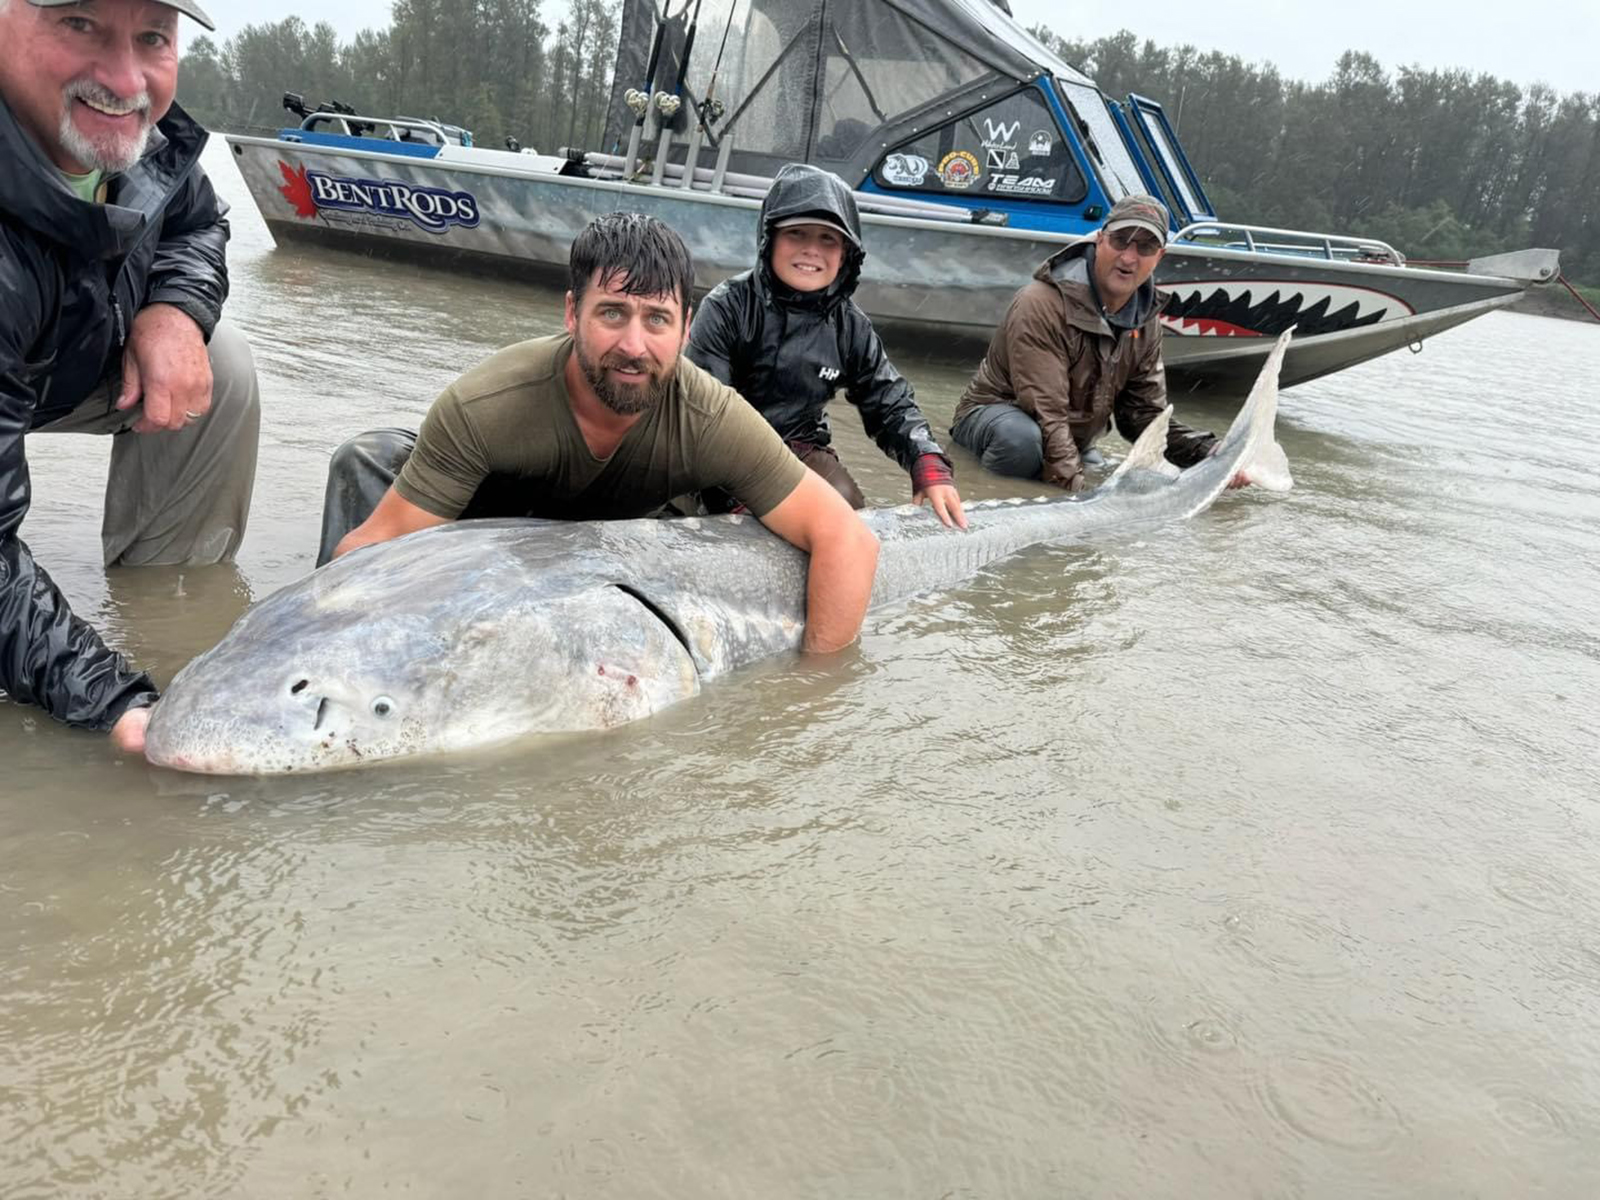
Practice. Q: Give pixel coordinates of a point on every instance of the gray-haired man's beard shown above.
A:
(624, 399)
(109, 153)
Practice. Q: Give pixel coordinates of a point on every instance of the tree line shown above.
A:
(1443, 164)
(493, 66)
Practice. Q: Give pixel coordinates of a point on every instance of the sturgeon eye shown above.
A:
(382, 706)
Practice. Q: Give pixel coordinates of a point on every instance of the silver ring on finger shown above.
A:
(193, 416)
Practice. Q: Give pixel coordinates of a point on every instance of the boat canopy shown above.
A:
(835, 82)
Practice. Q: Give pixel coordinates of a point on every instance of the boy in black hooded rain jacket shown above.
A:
(787, 336)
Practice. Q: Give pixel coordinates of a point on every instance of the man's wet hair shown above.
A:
(644, 254)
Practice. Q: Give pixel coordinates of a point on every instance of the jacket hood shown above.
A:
(1071, 271)
(34, 193)
(801, 190)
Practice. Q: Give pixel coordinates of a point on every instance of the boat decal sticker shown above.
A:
(1022, 185)
(1040, 143)
(388, 202)
(1232, 310)
(959, 170)
(905, 170)
(296, 190)
(1000, 135)
(1003, 160)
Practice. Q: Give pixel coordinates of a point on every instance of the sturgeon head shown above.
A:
(454, 637)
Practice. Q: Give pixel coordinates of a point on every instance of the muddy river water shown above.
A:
(1254, 857)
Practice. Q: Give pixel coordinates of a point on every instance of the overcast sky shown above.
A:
(1525, 41)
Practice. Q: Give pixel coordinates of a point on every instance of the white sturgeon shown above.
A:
(482, 631)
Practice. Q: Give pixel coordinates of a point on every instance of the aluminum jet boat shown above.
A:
(974, 150)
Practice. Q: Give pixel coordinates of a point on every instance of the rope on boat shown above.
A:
(1578, 296)
(1561, 279)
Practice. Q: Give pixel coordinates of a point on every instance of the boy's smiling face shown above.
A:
(807, 257)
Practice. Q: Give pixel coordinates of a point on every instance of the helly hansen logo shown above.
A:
(828, 374)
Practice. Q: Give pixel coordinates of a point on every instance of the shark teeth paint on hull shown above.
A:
(1262, 308)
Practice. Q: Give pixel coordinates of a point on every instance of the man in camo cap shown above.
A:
(1079, 346)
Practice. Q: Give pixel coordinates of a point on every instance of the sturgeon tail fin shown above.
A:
(1248, 448)
(1266, 465)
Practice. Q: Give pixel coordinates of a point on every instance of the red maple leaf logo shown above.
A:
(296, 190)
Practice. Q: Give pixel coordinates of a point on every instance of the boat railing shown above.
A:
(356, 125)
(1263, 239)
(755, 187)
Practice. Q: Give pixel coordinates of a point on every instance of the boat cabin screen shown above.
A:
(1010, 149)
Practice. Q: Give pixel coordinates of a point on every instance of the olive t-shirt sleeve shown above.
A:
(449, 462)
(744, 455)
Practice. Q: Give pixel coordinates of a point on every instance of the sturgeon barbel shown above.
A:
(478, 632)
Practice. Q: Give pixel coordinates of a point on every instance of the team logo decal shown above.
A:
(1232, 310)
(905, 170)
(344, 200)
(959, 170)
(1022, 185)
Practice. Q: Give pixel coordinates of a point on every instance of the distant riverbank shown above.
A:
(1555, 301)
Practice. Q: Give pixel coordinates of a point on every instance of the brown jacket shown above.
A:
(1055, 357)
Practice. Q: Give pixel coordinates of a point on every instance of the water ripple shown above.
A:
(1329, 1101)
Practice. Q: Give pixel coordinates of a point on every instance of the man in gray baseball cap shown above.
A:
(112, 278)
(187, 7)
(1138, 212)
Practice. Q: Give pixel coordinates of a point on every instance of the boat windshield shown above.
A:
(1107, 150)
(1151, 121)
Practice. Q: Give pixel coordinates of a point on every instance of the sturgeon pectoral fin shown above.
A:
(1149, 453)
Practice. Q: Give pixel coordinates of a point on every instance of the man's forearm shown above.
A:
(51, 658)
(1061, 459)
(190, 269)
(193, 310)
(838, 588)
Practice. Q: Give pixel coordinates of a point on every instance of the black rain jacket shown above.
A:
(788, 352)
(72, 277)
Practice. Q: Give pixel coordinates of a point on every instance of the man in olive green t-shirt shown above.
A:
(606, 421)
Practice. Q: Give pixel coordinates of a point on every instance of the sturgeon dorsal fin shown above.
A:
(1149, 453)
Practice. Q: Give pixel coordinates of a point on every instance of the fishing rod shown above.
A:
(639, 101)
(667, 105)
(709, 110)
